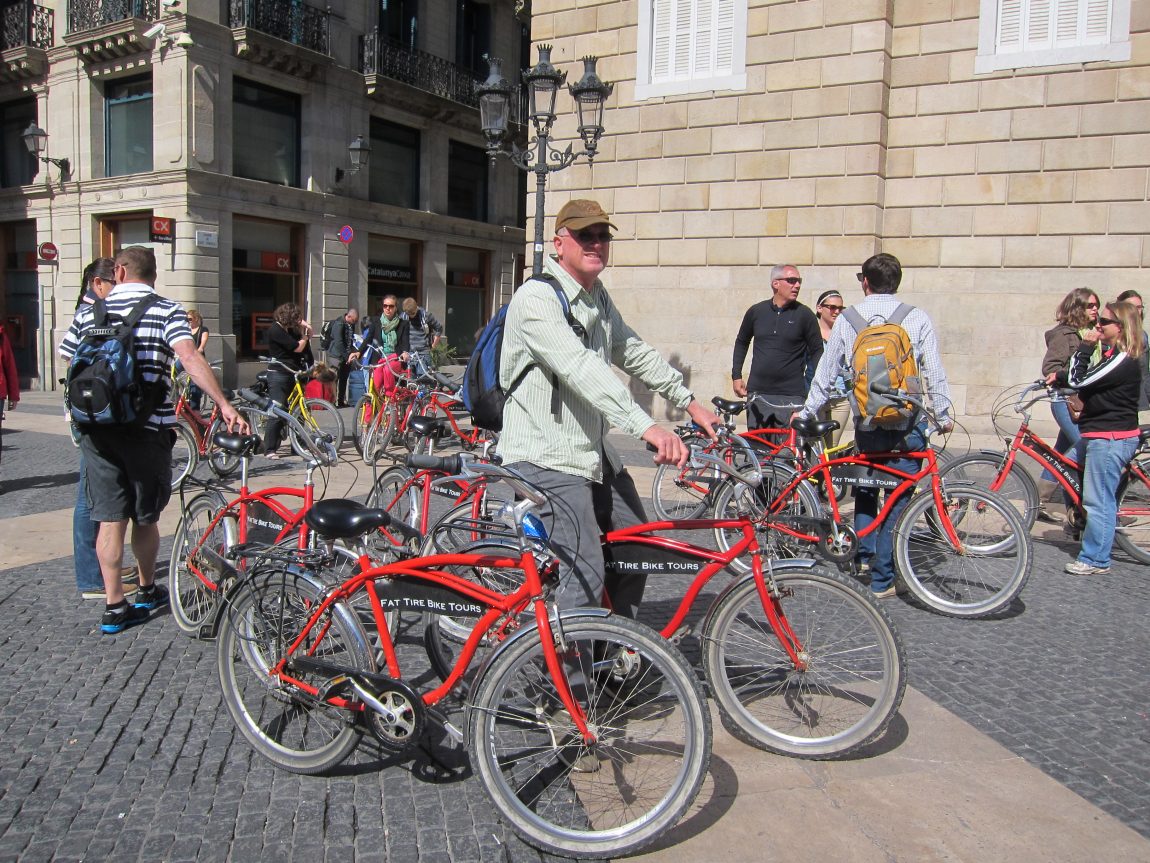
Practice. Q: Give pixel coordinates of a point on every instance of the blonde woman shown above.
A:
(1109, 424)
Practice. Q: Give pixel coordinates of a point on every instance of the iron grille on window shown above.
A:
(419, 69)
(290, 20)
(90, 14)
(25, 24)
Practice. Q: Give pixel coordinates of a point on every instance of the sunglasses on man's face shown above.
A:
(791, 280)
(587, 237)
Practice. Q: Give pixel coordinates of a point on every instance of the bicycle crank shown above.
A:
(396, 714)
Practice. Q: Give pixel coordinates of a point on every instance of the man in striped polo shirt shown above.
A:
(129, 469)
(563, 398)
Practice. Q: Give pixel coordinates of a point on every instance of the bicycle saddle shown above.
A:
(433, 427)
(813, 428)
(237, 444)
(726, 406)
(344, 519)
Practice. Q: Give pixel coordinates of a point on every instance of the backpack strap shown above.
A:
(140, 309)
(899, 314)
(572, 322)
(857, 321)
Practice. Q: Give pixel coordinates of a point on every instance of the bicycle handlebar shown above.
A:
(468, 466)
(322, 450)
(903, 395)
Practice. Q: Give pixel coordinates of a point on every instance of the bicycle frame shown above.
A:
(501, 617)
(446, 409)
(715, 562)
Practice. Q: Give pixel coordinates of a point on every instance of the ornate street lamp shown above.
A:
(543, 81)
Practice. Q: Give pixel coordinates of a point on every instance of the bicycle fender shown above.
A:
(525, 632)
(804, 564)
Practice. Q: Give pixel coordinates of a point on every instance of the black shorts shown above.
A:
(129, 473)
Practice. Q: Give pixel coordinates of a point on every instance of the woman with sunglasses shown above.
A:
(1109, 425)
(1076, 316)
(828, 308)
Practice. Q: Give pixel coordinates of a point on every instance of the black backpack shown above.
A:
(104, 385)
(481, 393)
(325, 335)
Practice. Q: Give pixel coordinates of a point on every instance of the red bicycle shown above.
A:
(1004, 473)
(800, 659)
(588, 732)
(195, 434)
(212, 526)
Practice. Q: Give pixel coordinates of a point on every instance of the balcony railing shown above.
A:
(90, 14)
(289, 20)
(419, 69)
(26, 25)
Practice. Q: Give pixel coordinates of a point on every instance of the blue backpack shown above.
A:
(481, 393)
(104, 385)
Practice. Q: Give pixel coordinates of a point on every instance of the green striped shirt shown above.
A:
(560, 412)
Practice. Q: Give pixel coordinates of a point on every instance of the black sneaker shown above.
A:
(152, 596)
(120, 617)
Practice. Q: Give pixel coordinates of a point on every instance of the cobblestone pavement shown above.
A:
(119, 746)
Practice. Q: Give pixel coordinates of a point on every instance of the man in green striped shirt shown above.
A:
(564, 397)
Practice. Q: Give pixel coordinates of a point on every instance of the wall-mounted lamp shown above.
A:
(358, 152)
(36, 140)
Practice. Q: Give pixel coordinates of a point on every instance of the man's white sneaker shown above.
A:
(1077, 567)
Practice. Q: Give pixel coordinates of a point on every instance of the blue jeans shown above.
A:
(879, 545)
(1068, 433)
(1104, 462)
(87, 565)
(420, 362)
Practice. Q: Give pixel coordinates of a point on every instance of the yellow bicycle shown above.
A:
(314, 414)
(367, 408)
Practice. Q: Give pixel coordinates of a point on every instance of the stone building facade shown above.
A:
(1000, 154)
(234, 121)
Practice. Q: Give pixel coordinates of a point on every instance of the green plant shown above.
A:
(442, 354)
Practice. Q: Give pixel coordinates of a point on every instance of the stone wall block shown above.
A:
(1041, 188)
(823, 102)
(916, 131)
(684, 197)
(914, 252)
(1036, 251)
(765, 164)
(860, 129)
(958, 98)
(914, 192)
(1001, 221)
(919, 71)
(732, 252)
(1121, 118)
(1073, 218)
(954, 159)
(1125, 184)
(942, 222)
(970, 252)
(974, 189)
(1063, 122)
(1106, 251)
(815, 221)
(1009, 157)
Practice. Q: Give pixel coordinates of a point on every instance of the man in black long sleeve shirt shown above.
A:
(787, 348)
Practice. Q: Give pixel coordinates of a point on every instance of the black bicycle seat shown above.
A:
(726, 406)
(236, 443)
(813, 428)
(433, 427)
(344, 519)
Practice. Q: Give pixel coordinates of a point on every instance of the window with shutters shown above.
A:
(1014, 34)
(690, 46)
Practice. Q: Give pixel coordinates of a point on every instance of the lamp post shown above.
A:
(540, 157)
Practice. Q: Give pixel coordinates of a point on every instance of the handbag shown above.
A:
(1074, 405)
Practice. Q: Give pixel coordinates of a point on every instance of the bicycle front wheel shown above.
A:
(839, 695)
(319, 417)
(278, 715)
(185, 454)
(984, 470)
(684, 492)
(652, 739)
(197, 563)
(379, 434)
(980, 573)
(1133, 527)
(361, 422)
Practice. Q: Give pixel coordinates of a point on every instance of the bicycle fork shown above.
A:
(779, 624)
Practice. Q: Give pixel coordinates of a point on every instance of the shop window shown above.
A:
(467, 182)
(394, 164)
(392, 268)
(18, 167)
(466, 297)
(265, 274)
(128, 126)
(265, 134)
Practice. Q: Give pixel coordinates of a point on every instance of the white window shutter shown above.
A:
(684, 25)
(1038, 25)
(725, 37)
(1010, 25)
(1098, 21)
(662, 41)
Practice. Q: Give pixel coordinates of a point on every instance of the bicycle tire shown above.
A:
(200, 545)
(283, 723)
(847, 693)
(984, 469)
(222, 462)
(982, 577)
(392, 491)
(322, 418)
(361, 421)
(1134, 508)
(739, 501)
(185, 453)
(378, 437)
(686, 492)
(654, 739)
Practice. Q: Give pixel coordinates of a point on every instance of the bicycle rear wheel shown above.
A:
(197, 563)
(284, 722)
(185, 454)
(1133, 528)
(852, 674)
(980, 575)
(379, 434)
(984, 470)
(685, 492)
(651, 749)
(320, 417)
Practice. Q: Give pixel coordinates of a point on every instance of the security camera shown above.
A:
(155, 31)
(184, 40)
